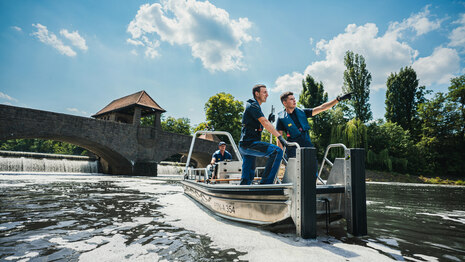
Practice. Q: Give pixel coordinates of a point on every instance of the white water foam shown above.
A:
(456, 215)
(24, 258)
(180, 211)
(260, 245)
(117, 250)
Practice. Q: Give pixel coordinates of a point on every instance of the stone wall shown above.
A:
(123, 148)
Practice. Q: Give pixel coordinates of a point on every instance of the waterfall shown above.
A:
(48, 163)
(169, 170)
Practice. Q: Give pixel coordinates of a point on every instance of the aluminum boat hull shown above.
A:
(257, 204)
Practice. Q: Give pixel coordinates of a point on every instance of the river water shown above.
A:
(95, 217)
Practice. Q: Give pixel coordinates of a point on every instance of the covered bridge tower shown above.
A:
(131, 108)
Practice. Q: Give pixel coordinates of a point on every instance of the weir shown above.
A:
(49, 163)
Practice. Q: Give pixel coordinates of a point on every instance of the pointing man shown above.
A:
(294, 122)
(250, 144)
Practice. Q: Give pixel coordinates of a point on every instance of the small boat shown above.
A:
(297, 194)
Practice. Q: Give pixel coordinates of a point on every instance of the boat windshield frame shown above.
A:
(205, 132)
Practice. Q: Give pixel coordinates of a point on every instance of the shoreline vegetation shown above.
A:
(383, 176)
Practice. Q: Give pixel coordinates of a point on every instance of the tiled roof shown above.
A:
(140, 98)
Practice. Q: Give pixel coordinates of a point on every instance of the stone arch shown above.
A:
(112, 162)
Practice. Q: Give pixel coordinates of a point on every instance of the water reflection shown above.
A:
(416, 222)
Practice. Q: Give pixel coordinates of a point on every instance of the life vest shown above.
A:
(292, 130)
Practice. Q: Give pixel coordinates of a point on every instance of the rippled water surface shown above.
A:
(67, 217)
(109, 218)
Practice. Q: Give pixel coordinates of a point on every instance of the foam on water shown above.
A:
(260, 245)
(178, 212)
(26, 257)
(117, 250)
(456, 215)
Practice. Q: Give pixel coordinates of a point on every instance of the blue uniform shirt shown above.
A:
(251, 127)
(219, 157)
(304, 139)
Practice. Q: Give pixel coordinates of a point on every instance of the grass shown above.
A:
(438, 180)
(381, 176)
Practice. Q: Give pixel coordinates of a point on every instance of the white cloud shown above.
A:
(419, 23)
(213, 37)
(457, 36)
(7, 97)
(289, 82)
(76, 40)
(134, 42)
(51, 39)
(17, 28)
(438, 68)
(75, 110)
(383, 54)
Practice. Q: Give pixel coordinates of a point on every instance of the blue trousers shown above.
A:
(249, 153)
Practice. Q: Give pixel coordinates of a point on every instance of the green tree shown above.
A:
(169, 124)
(201, 126)
(390, 147)
(313, 95)
(441, 145)
(179, 126)
(224, 113)
(357, 80)
(42, 146)
(403, 96)
(147, 121)
(457, 95)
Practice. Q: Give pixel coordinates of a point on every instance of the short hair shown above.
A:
(256, 88)
(284, 95)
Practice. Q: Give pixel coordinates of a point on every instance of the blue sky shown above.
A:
(75, 57)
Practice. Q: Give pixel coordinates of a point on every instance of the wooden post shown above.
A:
(308, 196)
(358, 226)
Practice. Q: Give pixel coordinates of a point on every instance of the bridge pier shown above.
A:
(145, 168)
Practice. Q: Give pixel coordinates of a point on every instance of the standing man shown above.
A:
(250, 144)
(294, 120)
(220, 155)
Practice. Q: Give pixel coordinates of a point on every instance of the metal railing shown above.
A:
(325, 159)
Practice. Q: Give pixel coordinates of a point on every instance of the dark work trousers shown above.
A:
(249, 153)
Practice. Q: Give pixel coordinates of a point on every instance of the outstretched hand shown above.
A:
(271, 117)
(344, 97)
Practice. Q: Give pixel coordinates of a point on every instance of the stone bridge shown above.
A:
(122, 148)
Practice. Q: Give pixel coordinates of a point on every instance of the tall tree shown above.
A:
(357, 80)
(457, 95)
(313, 95)
(441, 146)
(403, 97)
(224, 113)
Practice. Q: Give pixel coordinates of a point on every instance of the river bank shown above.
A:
(381, 176)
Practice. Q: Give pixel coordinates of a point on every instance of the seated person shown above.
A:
(218, 156)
